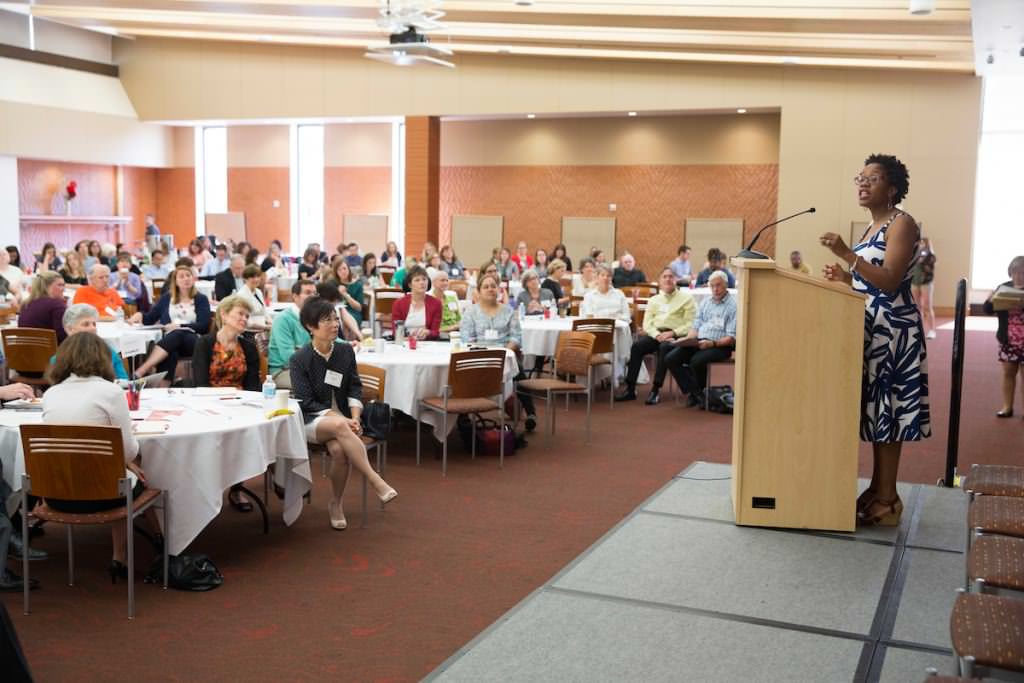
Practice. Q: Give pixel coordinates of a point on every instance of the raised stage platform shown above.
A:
(677, 592)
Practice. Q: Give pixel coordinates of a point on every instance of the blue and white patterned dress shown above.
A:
(894, 389)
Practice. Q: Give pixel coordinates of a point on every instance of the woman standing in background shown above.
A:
(1011, 337)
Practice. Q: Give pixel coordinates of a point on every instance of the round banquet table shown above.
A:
(210, 444)
(419, 374)
(119, 335)
(540, 338)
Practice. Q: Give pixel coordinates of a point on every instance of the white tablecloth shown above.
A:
(117, 334)
(540, 338)
(419, 374)
(210, 446)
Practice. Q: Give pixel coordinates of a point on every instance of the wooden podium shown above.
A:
(799, 354)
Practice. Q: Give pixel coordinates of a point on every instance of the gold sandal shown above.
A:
(887, 513)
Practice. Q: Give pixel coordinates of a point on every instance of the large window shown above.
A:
(211, 154)
(307, 186)
(999, 202)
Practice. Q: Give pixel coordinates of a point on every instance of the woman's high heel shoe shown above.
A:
(1005, 413)
(864, 500)
(881, 513)
(118, 570)
(387, 496)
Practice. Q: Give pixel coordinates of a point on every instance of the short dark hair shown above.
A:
(715, 254)
(299, 284)
(185, 261)
(415, 272)
(221, 247)
(328, 291)
(683, 249)
(158, 251)
(895, 172)
(83, 354)
(251, 270)
(314, 310)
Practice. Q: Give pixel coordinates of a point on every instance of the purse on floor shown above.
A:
(186, 573)
(376, 420)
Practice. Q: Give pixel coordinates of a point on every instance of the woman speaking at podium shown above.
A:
(894, 390)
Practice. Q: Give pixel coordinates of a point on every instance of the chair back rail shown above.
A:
(476, 374)
(603, 330)
(573, 351)
(644, 289)
(74, 462)
(373, 380)
(29, 349)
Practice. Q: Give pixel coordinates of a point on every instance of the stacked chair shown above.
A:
(987, 623)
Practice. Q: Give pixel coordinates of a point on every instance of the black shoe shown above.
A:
(531, 422)
(118, 570)
(652, 398)
(628, 395)
(692, 401)
(17, 547)
(12, 583)
(1005, 413)
(239, 503)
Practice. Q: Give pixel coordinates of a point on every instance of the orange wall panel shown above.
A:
(422, 181)
(652, 202)
(176, 203)
(352, 189)
(252, 191)
(139, 199)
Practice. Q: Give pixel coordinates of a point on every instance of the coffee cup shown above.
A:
(281, 399)
(379, 345)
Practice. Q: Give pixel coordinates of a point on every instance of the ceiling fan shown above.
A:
(407, 22)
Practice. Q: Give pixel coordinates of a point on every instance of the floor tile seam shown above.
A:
(515, 609)
(916, 647)
(714, 614)
(933, 549)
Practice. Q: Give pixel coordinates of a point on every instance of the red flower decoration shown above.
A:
(71, 191)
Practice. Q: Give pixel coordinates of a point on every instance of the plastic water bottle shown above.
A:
(269, 392)
(119, 316)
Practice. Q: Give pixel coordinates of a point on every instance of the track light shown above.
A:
(991, 59)
(922, 7)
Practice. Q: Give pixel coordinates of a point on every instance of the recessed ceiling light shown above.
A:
(632, 113)
(264, 38)
(531, 116)
(790, 60)
(504, 50)
(524, 3)
(741, 111)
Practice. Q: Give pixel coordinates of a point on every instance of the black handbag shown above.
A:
(186, 573)
(376, 420)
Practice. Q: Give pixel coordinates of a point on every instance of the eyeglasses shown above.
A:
(872, 180)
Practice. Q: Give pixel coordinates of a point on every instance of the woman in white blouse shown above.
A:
(586, 279)
(83, 392)
(251, 291)
(604, 301)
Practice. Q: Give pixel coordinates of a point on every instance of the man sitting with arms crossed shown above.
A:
(157, 269)
(230, 281)
(99, 294)
(716, 262)
(627, 273)
(288, 335)
(669, 316)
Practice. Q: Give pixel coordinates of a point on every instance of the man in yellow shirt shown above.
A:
(669, 316)
(99, 294)
(796, 260)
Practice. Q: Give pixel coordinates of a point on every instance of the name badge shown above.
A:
(490, 335)
(333, 378)
(718, 322)
(453, 305)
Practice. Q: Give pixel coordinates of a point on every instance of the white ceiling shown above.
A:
(998, 29)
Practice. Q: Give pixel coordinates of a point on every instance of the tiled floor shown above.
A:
(677, 592)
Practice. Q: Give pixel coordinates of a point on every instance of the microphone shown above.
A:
(749, 253)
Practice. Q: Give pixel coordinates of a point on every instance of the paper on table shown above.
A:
(149, 427)
(142, 414)
(215, 391)
(165, 414)
(133, 344)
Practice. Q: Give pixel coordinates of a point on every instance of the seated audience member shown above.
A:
(225, 358)
(714, 330)
(46, 304)
(507, 268)
(325, 380)
(598, 256)
(198, 255)
(559, 253)
(352, 257)
(83, 392)
(99, 294)
(370, 277)
(184, 314)
(432, 264)
(127, 284)
(252, 257)
(796, 261)
(586, 279)
(15, 255)
(493, 323)
(716, 262)
(428, 249)
(227, 282)
(83, 318)
(252, 290)
(1010, 335)
(553, 283)
(73, 271)
(94, 255)
(288, 335)
(420, 312)
(451, 316)
(522, 257)
(491, 268)
(328, 291)
(399, 279)
(627, 274)
(218, 264)
(132, 266)
(540, 263)
(451, 264)
(11, 274)
(349, 287)
(243, 248)
(681, 266)
(157, 268)
(391, 256)
(309, 265)
(534, 298)
(604, 301)
(273, 263)
(669, 316)
(48, 258)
